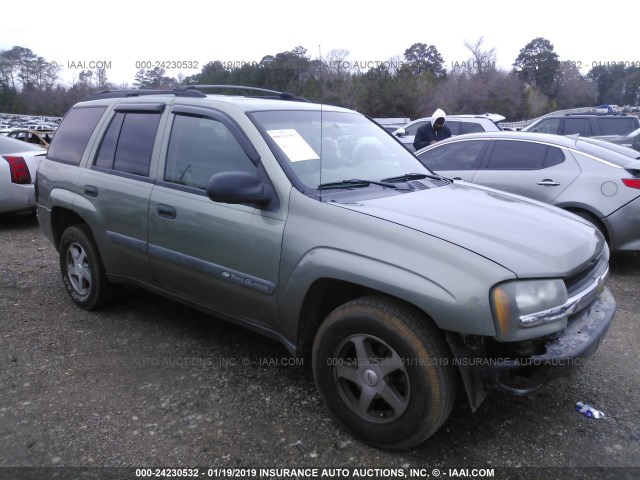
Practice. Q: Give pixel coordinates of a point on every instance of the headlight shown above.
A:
(527, 303)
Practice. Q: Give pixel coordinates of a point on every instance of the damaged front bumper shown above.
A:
(557, 356)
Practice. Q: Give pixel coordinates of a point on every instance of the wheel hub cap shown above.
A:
(371, 378)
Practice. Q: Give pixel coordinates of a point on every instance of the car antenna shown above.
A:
(321, 122)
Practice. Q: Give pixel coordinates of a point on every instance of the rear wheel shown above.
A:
(81, 267)
(383, 369)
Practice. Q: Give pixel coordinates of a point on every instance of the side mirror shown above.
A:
(237, 187)
(400, 132)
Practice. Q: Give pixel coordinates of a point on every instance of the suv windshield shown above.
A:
(319, 148)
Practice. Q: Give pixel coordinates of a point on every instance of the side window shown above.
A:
(201, 147)
(454, 156)
(454, 126)
(578, 125)
(616, 126)
(517, 155)
(548, 125)
(73, 134)
(471, 127)
(107, 150)
(412, 129)
(127, 144)
(555, 156)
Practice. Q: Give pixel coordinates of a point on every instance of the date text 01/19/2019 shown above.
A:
(600, 63)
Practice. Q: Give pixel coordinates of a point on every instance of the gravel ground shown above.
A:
(150, 383)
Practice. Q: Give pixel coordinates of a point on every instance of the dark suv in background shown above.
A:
(586, 124)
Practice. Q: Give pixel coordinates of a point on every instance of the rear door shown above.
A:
(118, 185)
(528, 168)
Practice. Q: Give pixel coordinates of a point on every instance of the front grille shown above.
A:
(591, 270)
(588, 282)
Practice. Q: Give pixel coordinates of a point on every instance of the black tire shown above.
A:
(82, 270)
(384, 370)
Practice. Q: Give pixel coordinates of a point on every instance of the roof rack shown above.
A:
(193, 91)
(602, 114)
(142, 92)
(273, 94)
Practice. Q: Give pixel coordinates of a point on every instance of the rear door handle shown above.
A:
(548, 183)
(166, 211)
(90, 191)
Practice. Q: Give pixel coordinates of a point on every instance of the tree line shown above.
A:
(409, 86)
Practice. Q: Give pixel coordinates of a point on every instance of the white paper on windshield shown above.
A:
(293, 145)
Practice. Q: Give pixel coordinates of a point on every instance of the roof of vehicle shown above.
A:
(592, 114)
(266, 100)
(195, 91)
(492, 117)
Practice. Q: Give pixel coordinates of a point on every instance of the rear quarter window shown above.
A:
(471, 127)
(73, 134)
(616, 126)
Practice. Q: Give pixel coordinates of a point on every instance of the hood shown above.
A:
(439, 113)
(527, 237)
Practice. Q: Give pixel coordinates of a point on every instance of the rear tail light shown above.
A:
(632, 182)
(19, 169)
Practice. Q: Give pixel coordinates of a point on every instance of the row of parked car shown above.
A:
(23, 145)
(617, 128)
(32, 130)
(586, 163)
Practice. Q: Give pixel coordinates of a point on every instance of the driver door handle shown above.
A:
(166, 211)
(548, 183)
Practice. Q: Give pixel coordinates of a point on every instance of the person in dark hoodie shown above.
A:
(433, 131)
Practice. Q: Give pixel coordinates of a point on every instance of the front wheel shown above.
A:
(384, 370)
(81, 267)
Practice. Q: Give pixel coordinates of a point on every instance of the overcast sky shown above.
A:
(120, 33)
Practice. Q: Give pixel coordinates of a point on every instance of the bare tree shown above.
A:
(336, 63)
(482, 60)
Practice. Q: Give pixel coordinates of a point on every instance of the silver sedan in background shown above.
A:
(596, 180)
(18, 166)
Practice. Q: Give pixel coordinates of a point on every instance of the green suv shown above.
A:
(312, 225)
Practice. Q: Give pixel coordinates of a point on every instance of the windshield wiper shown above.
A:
(355, 183)
(413, 176)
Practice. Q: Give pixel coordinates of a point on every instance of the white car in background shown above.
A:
(458, 124)
(19, 163)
